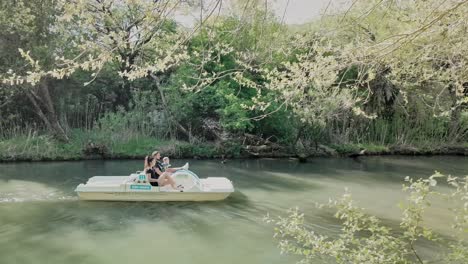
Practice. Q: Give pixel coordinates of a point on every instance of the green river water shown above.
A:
(42, 221)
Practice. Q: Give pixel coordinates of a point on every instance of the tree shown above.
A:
(395, 47)
(420, 45)
(136, 38)
(28, 26)
(219, 80)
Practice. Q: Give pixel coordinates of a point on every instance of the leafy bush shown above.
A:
(364, 239)
(231, 149)
(192, 150)
(144, 118)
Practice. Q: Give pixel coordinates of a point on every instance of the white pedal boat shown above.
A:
(136, 188)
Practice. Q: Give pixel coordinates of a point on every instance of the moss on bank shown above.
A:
(99, 145)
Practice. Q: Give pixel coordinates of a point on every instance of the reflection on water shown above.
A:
(41, 221)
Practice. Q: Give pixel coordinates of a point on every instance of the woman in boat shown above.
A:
(162, 165)
(155, 176)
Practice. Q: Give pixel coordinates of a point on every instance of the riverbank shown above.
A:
(100, 146)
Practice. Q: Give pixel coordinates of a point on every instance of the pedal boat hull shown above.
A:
(136, 188)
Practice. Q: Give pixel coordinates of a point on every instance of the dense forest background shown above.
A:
(122, 78)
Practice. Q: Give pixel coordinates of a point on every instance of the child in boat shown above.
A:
(165, 160)
(166, 163)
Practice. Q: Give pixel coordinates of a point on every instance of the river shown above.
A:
(42, 221)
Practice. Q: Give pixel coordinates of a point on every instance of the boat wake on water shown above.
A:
(26, 191)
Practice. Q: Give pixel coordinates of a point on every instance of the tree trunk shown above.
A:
(179, 126)
(299, 148)
(40, 99)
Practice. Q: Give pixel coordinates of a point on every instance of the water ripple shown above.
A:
(15, 191)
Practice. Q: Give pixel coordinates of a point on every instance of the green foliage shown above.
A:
(356, 148)
(282, 126)
(363, 237)
(383, 73)
(230, 149)
(234, 117)
(136, 147)
(196, 150)
(223, 98)
(38, 147)
(43, 147)
(217, 101)
(143, 118)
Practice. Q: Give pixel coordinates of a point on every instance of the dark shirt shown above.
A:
(159, 166)
(154, 175)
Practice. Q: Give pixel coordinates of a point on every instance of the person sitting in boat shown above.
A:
(166, 163)
(163, 167)
(155, 178)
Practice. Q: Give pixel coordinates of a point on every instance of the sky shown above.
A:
(299, 11)
(293, 11)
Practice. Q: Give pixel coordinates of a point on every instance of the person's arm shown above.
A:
(158, 171)
(148, 175)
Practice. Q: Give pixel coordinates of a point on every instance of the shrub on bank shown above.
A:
(82, 145)
(96, 144)
(344, 149)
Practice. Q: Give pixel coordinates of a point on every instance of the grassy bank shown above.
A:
(102, 145)
(98, 145)
(418, 149)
